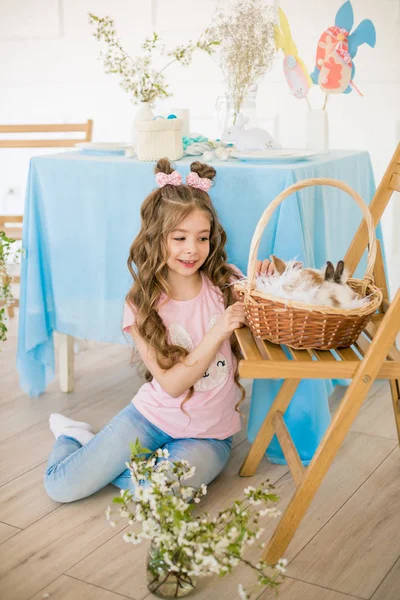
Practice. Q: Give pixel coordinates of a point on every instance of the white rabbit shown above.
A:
(248, 139)
(218, 370)
(325, 287)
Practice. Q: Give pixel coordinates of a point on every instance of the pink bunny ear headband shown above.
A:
(192, 179)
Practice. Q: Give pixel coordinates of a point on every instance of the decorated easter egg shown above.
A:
(297, 80)
(334, 61)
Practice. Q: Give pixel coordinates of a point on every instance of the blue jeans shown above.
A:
(75, 471)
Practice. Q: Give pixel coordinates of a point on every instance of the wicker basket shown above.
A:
(297, 324)
(160, 138)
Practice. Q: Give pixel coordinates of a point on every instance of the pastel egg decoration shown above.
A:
(337, 46)
(294, 69)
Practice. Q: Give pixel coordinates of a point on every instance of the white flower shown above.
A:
(249, 490)
(189, 473)
(158, 477)
(186, 492)
(250, 541)
(273, 513)
(108, 512)
(281, 565)
(203, 489)
(113, 524)
(242, 592)
(255, 502)
(135, 539)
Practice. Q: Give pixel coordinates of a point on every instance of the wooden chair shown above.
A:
(12, 224)
(86, 128)
(380, 359)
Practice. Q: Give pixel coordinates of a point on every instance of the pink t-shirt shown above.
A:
(212, 407)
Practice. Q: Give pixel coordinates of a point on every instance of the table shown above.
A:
(82, 213)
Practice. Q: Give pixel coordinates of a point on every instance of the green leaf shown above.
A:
(118, 500)
(137, 448)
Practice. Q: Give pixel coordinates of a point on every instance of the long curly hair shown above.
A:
(161, 212)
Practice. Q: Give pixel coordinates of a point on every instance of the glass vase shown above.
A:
(228, 115)
(162, 581)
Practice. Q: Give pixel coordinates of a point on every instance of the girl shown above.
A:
(181, 313)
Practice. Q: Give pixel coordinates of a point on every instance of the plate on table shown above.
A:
(103, 147)
(272, 155)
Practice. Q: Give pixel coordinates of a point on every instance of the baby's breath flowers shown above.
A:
(138, 76)
(189, 546)
(245, 29)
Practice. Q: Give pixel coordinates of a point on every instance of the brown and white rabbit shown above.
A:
(325, 287)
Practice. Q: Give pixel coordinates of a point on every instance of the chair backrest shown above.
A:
(12, 226)
(390, 183)
(86, 128)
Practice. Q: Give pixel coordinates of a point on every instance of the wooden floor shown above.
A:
(347, 547)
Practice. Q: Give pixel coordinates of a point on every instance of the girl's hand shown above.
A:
(265, 267)
(232, 318)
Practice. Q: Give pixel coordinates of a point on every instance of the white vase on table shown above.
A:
(144, 113)
(317, 130)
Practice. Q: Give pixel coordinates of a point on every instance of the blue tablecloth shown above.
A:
(82, 213)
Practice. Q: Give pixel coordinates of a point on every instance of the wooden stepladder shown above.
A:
(380, 359)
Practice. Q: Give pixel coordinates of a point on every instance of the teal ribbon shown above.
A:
(188, 141)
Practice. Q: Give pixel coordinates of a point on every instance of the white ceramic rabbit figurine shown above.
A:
(248, 139)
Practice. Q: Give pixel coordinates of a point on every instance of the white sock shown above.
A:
(58, 422)
(82, 435)
(61, 425)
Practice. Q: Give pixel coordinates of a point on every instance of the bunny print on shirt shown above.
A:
(218, 370)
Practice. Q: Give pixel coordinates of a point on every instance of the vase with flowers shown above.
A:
(143, 82)
(185, 546)
(246, 52)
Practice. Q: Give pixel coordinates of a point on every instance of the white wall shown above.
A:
(50, 72)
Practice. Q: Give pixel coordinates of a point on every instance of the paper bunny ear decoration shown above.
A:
(294, 68)
(337, 47)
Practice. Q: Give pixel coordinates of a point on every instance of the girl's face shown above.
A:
(189, 244)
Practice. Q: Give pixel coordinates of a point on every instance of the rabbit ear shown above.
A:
(241, 120)
(279, 264)
(339, 271)
(212, 321)
(329, 271)
(180, 337)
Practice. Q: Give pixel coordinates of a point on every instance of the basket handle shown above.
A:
(265, 217)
